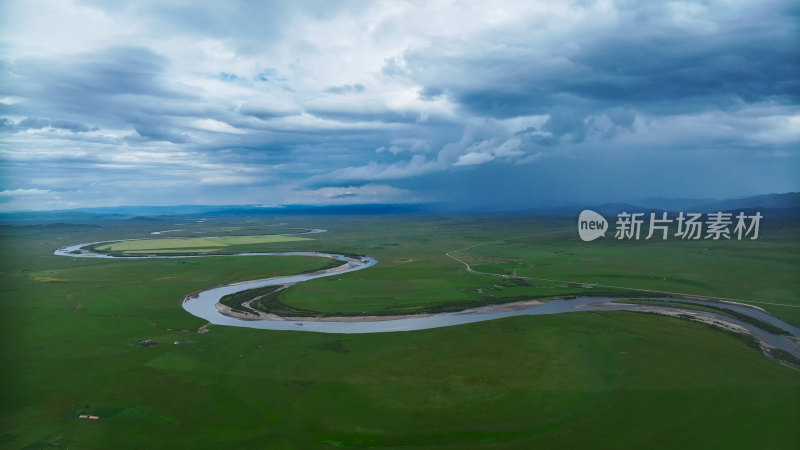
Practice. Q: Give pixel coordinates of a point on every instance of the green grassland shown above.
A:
(762, 271)
(414, 273)
(72, 330)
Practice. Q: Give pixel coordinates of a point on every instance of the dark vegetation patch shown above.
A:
(299, 386)
(57, 443)
(269, 303)
(348, 254)
(332, 346)
(329, 264)
(236, 300)
(747, 338)
(786, 357)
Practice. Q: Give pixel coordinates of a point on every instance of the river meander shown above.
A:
(203, 304)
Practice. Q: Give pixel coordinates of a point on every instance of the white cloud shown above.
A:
(23, 192)
(410, 145)
(488, 150)
(369, 193)
(9, 100)
(417, 165)
(782, 129)
(47, 26)
(474, 158)
(215, 126)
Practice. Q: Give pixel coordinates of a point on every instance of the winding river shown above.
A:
(204, 305)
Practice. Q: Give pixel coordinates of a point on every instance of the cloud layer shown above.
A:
(516, 104)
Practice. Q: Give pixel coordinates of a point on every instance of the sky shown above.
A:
(510, 104)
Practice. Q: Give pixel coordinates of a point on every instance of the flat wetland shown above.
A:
(109, 337)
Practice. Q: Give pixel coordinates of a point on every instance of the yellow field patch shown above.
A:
(194, 245)
(174, 250)
(49, 280)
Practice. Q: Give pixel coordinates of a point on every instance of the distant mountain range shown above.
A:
(772, 201)
(777, 205)
(774, 205)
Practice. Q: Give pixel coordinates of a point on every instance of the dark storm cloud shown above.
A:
(385, 116)
(674, 68)
(112, 71)
(34, 123)
(110, 86)
(338, 196)
(431, 92)
(150, 130)
(262, 112)
(345, 89)
(642, 62)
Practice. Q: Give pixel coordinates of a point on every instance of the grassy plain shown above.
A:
(414, 273)
(72, 330)
(763, 272)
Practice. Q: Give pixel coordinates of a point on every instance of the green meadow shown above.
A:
(762, 272)
(414, 273)
(108, 337)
